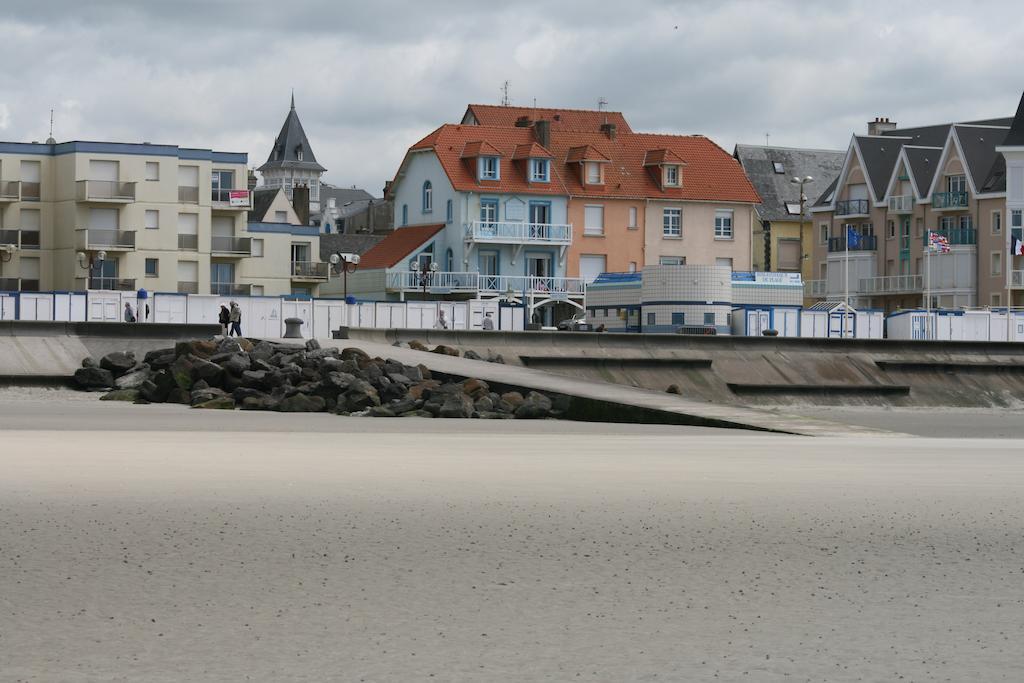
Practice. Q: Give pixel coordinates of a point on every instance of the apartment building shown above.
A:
(99, 215)
(896, 186)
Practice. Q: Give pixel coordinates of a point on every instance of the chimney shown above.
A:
(542, 131)
(300, 202)
(609, 129)
(880, 125)
(252, 180)
(523, 122)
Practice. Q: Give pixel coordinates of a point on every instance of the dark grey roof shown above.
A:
(879, 155)
(342, 194)
(290, 140)
(935, 136)
(826, 197)
(1015, 137)
(261, 201)
(357, 244)
(775, 189)
(995, 181)
(979, 147)
(923, 162)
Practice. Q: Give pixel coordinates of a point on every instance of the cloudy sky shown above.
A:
(370, 78)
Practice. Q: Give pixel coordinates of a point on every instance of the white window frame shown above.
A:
(723, 230)
(997, 220)
(146, 216)
(280, 216)
(150, 165)
(672, 261)
(823, 233)
(667, 231)
(593, 229)
(593, 173)
(633, 214)
(671, 175)
(257, 247)
(995, 263)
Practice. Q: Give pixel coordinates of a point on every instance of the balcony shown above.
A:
(943, 201)
(109, 283)
(473, 283)
(230, 289)
(109, 240)
(10, 191)
(230, 200)
(1017, 279)
(519, 233)
(29, 239)
(838, 244)
(9, 284)
(29, 191)
(815, 289)
(188, 242)
(955, 236)
(903, 203)
(411, 281)
(187, 194)
(105, 191)
(309, 271)
(188, 287)
(230, 246)
(10, 237)
(891, 284)
(852, 207)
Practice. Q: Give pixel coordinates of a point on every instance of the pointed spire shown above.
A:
(293, 99)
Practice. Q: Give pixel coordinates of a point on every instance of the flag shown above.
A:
(852, 237)
(939, 243)
(1016, 246)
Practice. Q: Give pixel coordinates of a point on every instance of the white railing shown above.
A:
(416, 280)
(891, 284)
(1017, 278)
(407, 280)
(531, 283)
(903, 203)
(519, 233)
(815, 288)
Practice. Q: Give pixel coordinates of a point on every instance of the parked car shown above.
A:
(577, 323)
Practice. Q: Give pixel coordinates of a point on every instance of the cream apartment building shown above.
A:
(98, 215)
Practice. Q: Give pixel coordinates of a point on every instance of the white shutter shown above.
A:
(102, 219)
(30, 171)
(591, 267)
(152, 219)
(857, 191)
(188, 176)
(103, 170)
(593, 220)
(188, 224)
(29, 219)
(223, 226)
(188, 271)
(29, 267)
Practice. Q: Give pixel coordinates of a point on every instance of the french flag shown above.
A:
(1016, 246)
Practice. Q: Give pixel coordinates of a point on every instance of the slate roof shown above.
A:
(397, 245)
(261, 201)
(561, 119)
(923, 162)
(355, 244)
(292, 138)
(341, 195)
(1015, 138)
(979, 148)
(775, 189)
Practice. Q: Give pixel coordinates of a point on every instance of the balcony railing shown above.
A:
(106, 239)
(26, 239)
(519, 233)
(111, 283)
(308, 270)
(955, 236)
(231, 199)
(903, 203)
(10, 237)
(240, 246)
(407, 280)
(949, 200)
(188, 194)
(188, 287)
(852, 207)
(229, 289)
(412, 280)
(9, 284)
(865, 243)
(29, 284)
(891, 284)
(532, 283)
(1017, 278)
(105, 191)
(29, 191)
(10, 190)
(188, 242)
(815, 288)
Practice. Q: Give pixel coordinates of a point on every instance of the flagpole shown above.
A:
(927, 289)
(1009, 274)
(846, 309)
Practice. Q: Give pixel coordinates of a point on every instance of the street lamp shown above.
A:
(87, 261)
(349, 264)
(424, 273)
(796, 180)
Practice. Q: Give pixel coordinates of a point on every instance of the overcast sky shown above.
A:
(371, 78)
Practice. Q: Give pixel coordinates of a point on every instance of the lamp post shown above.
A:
(349, 264)
(87, 261)
(796, 180)
(424, 273)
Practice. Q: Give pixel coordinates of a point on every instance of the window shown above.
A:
(672, 223)
(709, 318)
(651, 319)
(724, 261)
(947, 222)
(298, 154)
(593, 220)
(956, 183)
(997, 263)
(1016, 229)
(448, 211)
(405, 214)
(152, 267)
(222, 182)
(280, 216)
(489, 211)
(539, 170)
(632, 218)
(789, 254)
(678, 318)
(257, 247)
(593, 173)
(672, 261)
(632, 267)
(997, 223)
(489, 169)
(779, 168)
(672, 176)
(449, 261)
(222, 276)
(823, 233)
(256, 290)
(152, 170)
(996, 300)
(891, 232)
(793, 208)
(919, 227)
(152, 219)
(428, 197)
(723, 225)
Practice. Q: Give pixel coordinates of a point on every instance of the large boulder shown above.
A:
(130, 395)
(118, 362)
(417, 413)
(200, 348)
(475, 388)
(181, 371)
(159, 359)
(534, 407)
(94, 378)
(446, 350)
(301, 403)
(456, 405)
(235, 363)
(392, 391)
(218, 403)
(359, 396)
(133, 380)
(417, 345)
(418, 390)
(203, 395)
(353, 353)
(469, 354)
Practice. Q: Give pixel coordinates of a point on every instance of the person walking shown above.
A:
(488, 323)
(129, 314)
(442, 323)
(235, 317)
(224, 318)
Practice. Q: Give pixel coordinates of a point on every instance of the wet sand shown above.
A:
(378, 551)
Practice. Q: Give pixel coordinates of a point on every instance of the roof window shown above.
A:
(779, 168)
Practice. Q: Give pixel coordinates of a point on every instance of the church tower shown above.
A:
(291, 162)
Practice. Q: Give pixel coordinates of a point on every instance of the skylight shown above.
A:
(793, 209)
(777, 165)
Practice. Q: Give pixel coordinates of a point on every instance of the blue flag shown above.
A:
(852, 237)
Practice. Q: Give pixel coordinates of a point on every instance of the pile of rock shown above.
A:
(444, 350)
(263, 375)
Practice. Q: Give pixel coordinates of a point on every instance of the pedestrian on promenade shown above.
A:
(442, 324)
(235, 316)
(488, 323)
(129, 314)
(224, 318)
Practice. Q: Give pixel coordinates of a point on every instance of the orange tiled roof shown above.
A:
(398, 245)
(656, 157)
(584, 153)
(530, 150)
(478, 148)
(561, 119)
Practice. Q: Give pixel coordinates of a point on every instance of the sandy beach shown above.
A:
(138, 544)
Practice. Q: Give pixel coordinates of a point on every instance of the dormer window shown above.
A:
(593, 173)
(540, 170)
(489, 169)
(671, 176)
(298, 154)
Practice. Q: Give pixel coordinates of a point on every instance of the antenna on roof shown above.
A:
(601, 103)
(293, 99)
(50, 140)
(766, 136)
(505, 100)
